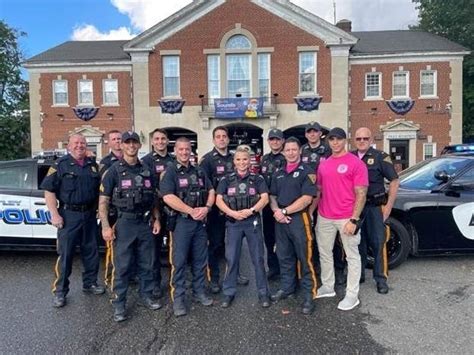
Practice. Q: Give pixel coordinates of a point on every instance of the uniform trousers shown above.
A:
(216, 234)
(269, 236)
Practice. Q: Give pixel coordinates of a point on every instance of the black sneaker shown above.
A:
(227, 301)
(265, 301)
(203, 299)
(242, 280)
(280, 295)
(382, 287)
(308, 306)
(94, 289)
(214, 287)
(150, 304)
(59, 301)
(119, 314)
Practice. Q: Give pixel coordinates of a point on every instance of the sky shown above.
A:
(49, 23)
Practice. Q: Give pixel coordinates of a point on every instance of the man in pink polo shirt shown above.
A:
(342, 188)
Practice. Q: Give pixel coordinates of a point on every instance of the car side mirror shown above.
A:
(441, 175)
(462, 187)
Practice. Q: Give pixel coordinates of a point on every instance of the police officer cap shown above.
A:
(337, 132)
(130, 135)
(275, 133)
(313, 125)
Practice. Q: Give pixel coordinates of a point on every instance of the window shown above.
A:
(15, 177)
(110, 92)
(60, 92)
(238, 75)
(171, 76)
(307, 73)
(466, 180)
(238, 42)
(264, 76)
(213, 78)
(400, 84)
(85, 92)
(428, 83)
(373, 85)
(429, 150)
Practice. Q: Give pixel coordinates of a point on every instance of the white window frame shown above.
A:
(435, 84)
(79, 102)
(116, 103)
(249, 55)
(315, 91)
(433, 145)
(211, 95)
(379, 95)
(268, 74)
(55, 103)
(172, 95)
(407, 84)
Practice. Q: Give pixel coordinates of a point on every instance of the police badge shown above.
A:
(242, 188)
(138, 180)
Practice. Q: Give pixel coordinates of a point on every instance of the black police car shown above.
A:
(434, 210)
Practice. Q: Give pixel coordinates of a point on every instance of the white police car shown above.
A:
(24, 219)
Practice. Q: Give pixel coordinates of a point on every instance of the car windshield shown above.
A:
(422, 175)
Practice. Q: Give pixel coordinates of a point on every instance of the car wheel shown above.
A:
(398, 246)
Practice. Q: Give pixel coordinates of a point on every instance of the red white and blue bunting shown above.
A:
(85, 113)
(401, 107)
(308, 103)
(171, 106)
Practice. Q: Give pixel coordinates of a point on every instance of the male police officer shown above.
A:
(374, 215)
(315, 151)
(114, 142)
(241, 196)
(216, 164)
(271, 163)
(292, 192)
(131, 188)
(157, 161)
(189, 193)
(74, 181)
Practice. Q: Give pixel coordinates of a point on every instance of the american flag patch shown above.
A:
(231, 191)
(126, 184)
(220, 169)
(183, 182)
(147, 183)
(252, 191)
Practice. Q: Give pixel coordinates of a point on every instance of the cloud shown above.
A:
(91, 33)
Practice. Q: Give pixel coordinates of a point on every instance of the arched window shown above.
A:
(238, 42)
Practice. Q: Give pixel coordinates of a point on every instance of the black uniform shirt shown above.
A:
(157, 163)
(260, 187)
(380, 167)
(72, 183)
(289, 187)
(270, 164)
(313, 156)
(172, 182)
(216, 165)
(107, 162)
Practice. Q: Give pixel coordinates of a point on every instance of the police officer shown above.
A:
(216, 164)
(378, 206)
(114, 140)
(189, 194)
(315, 151)
(271, 163)
(157, 161)
(292, 192)
(241, 196)
(74, 181)
(131, 188)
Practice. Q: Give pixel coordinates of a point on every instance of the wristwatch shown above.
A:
(209, 208)
(253, 210)
(354, 221)
(283, 210)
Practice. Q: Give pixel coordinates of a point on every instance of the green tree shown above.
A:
(454, 20)
(14, 103)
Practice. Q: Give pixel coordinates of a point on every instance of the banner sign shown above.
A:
(239, 107)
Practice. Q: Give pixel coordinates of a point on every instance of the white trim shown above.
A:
(407, 84)
(268, 94)
(407, 57)
(170, 52)
(54, 94)
(163, 76)
(435, 84)
(79, 103)
(433, 144)
(379, 96)
(103, 93)
(307, 48)
(100, 64)
(306, 93)
(80, 69)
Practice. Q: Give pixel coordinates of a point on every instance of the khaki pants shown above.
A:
(326, 231)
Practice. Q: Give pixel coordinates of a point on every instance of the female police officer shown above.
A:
(241, 195)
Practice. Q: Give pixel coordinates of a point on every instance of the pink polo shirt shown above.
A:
(337, 177)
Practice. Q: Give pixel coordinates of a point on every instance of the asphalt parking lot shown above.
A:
(429, 309)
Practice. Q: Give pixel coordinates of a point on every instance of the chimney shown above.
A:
(345, 25)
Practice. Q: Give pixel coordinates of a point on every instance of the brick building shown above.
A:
(405, 85)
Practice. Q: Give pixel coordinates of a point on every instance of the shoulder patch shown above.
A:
(162, 175)
(101, 188)
(51, 170)
(387, 159)
(312, 177)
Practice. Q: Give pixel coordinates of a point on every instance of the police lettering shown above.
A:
(24, 216)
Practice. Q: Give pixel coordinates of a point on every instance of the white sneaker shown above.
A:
(348, 303)
(325, 291)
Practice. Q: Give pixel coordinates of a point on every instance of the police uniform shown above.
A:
(106, 162)
(270, 164)
(77, 189)
(373, 230)
(243, 192)
(190, 185)
(294, 241)
(313, 156)
(216, 166)
(157, 164)
(132, 189)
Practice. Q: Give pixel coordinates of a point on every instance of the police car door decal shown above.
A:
(464, 218)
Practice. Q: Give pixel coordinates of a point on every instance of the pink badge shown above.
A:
(264, 168)
(305, 159)
(252, 191)
(231, 191)
(183, 182)
(126, 184)
(220, 169)
(147, 183)
(159, 168)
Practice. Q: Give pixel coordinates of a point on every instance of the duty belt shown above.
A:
(78, 208)
(135, 215)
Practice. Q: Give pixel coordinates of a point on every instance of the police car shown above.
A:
(434, 209)
(24, 219)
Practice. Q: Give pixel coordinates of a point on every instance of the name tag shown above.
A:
(231, 191)
(252, 191)
(220, 169)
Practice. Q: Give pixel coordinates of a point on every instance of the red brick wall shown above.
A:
(269, 31)
(56, 130)
(431, 123)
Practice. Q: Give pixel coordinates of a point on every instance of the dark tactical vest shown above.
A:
(312, 157)
(222, 166)
(271, 163)
(241, 194)
(191, 187)
(160, 163)
(134, 192)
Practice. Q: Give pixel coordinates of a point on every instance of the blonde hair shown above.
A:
(243, 148)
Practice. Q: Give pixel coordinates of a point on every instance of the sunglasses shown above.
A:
(360, 139)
